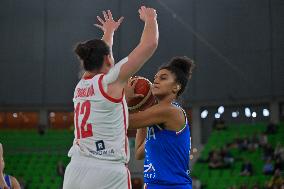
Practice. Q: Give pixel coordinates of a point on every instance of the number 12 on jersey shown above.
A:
(83, 129)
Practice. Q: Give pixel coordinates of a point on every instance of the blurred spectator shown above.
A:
(246, 168)
(227, 156)
(60, 169)
(268, 167)
(271, 128)
(219, 124)
(243, 186)
(41, 129)
(256, 186)
(263, 140)
(196, 183)
(268, 151)
(6, 181)
(276, 181)
(244, 144)
(215, 161)
(279, 151)
(253, 144)
(278, 164)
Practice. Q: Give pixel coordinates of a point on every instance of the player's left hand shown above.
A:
(108, 24)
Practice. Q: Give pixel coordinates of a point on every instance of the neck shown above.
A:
(166, 99)
(90, 73)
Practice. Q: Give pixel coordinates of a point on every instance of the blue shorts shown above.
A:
(159, 186)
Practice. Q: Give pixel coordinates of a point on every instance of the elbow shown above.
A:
(150, 45)
(153, 44)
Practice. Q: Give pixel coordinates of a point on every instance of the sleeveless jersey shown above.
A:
(167, 156)
(8, 181)
(100, 121)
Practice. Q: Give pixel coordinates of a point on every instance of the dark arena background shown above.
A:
(235, 99)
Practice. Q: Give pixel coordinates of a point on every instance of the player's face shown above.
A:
(164, 83)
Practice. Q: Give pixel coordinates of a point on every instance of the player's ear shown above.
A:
(107, 60)
(176, 88)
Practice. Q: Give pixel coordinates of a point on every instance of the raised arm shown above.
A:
(145, 49)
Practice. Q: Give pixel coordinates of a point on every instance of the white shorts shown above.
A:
(89, 173)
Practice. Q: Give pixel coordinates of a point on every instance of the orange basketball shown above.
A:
(143, 86)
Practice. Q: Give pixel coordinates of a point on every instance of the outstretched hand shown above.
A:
(108, 23)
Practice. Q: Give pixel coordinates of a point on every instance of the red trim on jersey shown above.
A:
(88, 77)
(128, 178)
(125, 129)
(115, 100)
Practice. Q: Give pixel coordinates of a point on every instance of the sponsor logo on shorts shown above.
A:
(100, 145)
(103, 152)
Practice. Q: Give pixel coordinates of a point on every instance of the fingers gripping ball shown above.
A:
(142, 86)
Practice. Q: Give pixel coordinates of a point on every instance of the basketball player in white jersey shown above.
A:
(100, 150)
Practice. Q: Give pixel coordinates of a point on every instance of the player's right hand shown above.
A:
(108, 23)
(147, 13)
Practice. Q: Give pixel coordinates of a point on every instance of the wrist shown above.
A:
(109, 31)
(150, 19)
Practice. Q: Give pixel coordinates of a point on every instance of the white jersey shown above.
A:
(101, 122)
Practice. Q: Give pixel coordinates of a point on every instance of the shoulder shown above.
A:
(15, 183)
(165, 110)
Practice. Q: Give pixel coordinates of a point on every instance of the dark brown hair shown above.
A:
(182, 68)
(92, 53)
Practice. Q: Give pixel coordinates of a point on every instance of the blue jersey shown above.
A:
(7, 180)
(167, 157)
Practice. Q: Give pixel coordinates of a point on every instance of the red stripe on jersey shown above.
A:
(128, 178)
(115, 100)
(125, 129)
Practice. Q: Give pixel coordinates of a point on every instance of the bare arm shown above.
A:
(156, 114)
(15, 183)
(2, 181)
(140, 143)
(145, 49)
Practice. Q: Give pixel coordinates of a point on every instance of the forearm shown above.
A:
(140, 143)
(1, 158)
(108, 38)
(1, 166)
(150, 33)
(134, 121)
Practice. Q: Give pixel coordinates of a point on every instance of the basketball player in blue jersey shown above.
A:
(165, 144)
(6, 181)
